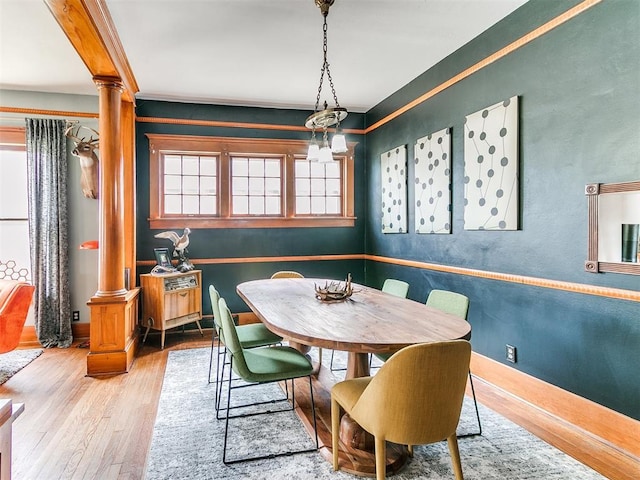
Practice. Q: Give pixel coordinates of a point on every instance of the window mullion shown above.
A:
(289, 186)
(225, 184)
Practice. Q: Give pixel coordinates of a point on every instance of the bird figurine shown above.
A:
(180, 244)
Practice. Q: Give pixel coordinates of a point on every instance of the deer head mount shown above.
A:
(85, 150)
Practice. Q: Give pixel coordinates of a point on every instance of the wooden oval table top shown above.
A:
(370, 321)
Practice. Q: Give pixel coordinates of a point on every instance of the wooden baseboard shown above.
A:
(605, 440)
(30, 339)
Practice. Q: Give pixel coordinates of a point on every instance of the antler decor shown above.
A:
(334, 291)
(85, 150)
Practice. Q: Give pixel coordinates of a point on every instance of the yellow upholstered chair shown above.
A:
(414, 399)
(293, 274)
(287, 274)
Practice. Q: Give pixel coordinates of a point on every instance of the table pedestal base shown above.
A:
(357, 448)
(352, 459)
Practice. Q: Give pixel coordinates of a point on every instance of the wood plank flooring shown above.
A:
(77, 427)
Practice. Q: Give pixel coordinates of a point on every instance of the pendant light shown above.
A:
(320, 120)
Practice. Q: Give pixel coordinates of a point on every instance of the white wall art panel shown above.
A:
(393, 168)
(491, 168)
(433, 183)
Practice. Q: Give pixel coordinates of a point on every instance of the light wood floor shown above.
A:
(76, 427)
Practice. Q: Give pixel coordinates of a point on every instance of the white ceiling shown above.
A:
(250, 52)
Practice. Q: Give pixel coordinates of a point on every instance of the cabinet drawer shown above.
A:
(181, 302)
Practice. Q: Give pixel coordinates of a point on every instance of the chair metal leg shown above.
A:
(475, 403)
(213, 341)
(331, 364)
(220, 381)
(222, 354)
(261, 457)
(226, 407)
(313, 410)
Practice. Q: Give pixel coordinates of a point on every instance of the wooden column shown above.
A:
(129, 156)
(111, 197)
(114, 310)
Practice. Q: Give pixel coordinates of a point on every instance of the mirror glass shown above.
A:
(614, 228)
(614, 211)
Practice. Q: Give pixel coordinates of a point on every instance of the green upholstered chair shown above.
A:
(395, 287)
(449, 302)
(414, 399)
(257, 366)
(458, 305)
(250, 336)
(392, 287)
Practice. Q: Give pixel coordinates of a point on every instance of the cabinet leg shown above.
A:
(144, 339)
(199, 327)
(162, 340)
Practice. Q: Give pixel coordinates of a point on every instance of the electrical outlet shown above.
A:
(511, 353)
(76, 316)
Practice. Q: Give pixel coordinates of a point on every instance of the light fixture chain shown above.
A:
(326, 63)
(325, 68)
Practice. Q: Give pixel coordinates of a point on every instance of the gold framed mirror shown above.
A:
(612, 205)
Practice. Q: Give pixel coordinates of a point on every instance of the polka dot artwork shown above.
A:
(393, 168)
(491, 167)
(433, 183)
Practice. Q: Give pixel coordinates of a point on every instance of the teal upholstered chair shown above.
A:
(458, 305)
(250, 336)
(257, 366)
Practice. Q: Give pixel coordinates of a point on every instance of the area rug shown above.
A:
(15, 360)
(187, 440)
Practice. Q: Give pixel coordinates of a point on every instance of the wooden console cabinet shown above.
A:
(171, 300)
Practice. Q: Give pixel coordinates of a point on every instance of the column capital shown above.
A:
(109, 82)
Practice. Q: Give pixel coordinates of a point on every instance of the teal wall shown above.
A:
(579, 123)
(254, 242)
(579, 100)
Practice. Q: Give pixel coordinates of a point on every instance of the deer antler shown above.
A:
(91, 143)
(85, 151)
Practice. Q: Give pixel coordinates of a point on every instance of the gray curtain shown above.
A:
(47, 163)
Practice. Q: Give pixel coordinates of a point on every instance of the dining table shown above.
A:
(368, 321)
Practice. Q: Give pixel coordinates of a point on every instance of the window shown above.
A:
(213, 182)
(190, 184)
(318, 187)
(256, 186)
(14, 224)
